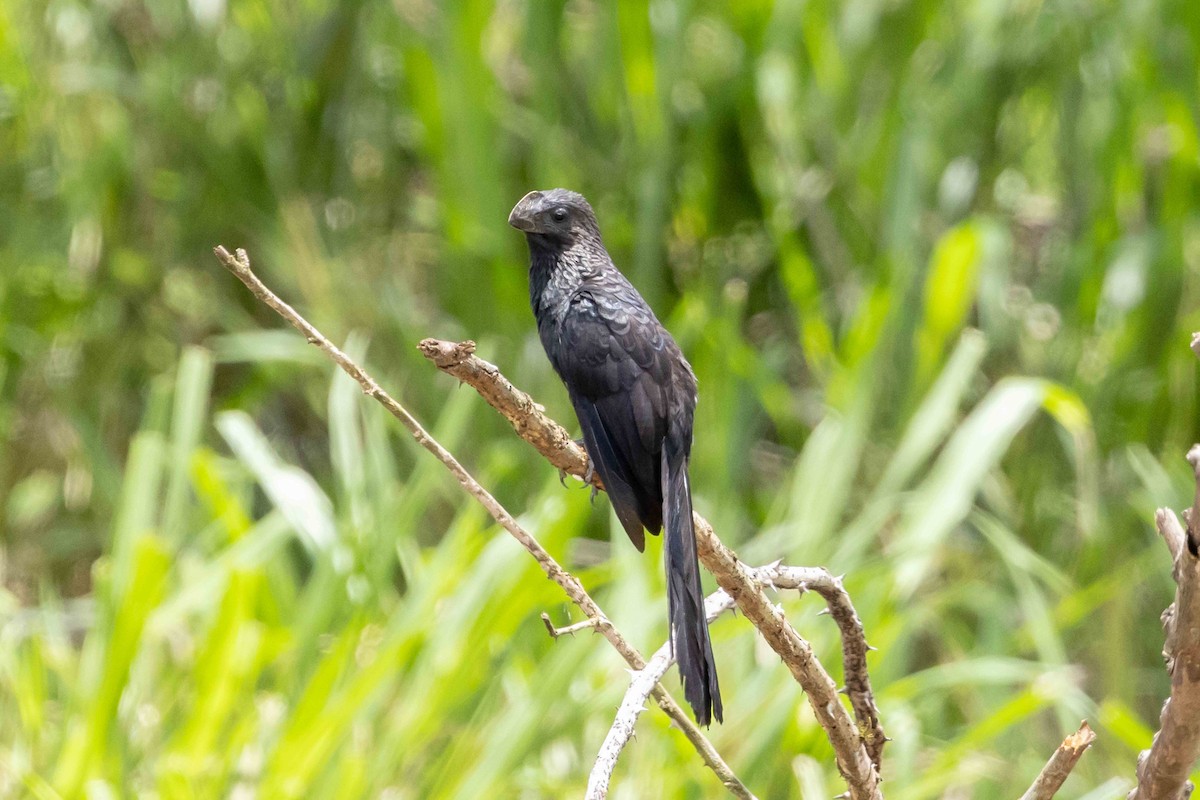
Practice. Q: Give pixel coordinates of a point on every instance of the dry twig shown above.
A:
(568, 630)
(854, 644)
(854, 759)
(1059, 767)
(640, 686)
(1162, 770)
(239, 265)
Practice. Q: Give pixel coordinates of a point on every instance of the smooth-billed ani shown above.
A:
(635, 395)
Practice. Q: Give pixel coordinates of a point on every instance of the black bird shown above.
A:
(635, 395)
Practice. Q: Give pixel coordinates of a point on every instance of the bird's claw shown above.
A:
(590, 472)
(588, 475)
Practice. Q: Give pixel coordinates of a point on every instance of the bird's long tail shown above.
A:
(685, 597)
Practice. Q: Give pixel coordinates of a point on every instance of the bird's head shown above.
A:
(556, 214)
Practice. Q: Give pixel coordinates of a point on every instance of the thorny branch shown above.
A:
(239, 265)
(854, 643)
(857, 756)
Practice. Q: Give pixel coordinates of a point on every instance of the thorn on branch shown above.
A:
(590, 622)
(854, 645)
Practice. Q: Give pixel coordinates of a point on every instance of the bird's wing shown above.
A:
(619, 375)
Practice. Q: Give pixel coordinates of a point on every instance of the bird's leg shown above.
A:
(590, 472)
(587, 475)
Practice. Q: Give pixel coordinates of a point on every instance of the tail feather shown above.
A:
(685, 596)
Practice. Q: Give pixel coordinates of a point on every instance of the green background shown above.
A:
(935, 265)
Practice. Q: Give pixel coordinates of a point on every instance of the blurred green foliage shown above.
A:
(934, 264)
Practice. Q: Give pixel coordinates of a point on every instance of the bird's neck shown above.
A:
(556, 269)
(542, 262)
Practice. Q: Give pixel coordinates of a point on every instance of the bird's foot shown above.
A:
(588, 475)
(590, 472)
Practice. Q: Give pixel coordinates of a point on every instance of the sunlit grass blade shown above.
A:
(91, 737)
(188, 418)
(290, 489)
(936, 415)
(949, 293)
(944, 499)
(226, 670)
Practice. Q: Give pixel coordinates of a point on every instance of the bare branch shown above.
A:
(854, 644)
(1162, 770)
(553, 442)
(1172, 533)
(527, 417)
(239, 265)
(639, 689)
(1059, 767)
(590, 622)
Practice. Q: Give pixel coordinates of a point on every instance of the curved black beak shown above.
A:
(524, 213)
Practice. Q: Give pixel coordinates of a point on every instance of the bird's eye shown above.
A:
(559, 214)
